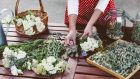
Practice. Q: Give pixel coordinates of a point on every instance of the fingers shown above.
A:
(94, 30)
(66, 41)
(84, 35)
(69, 42)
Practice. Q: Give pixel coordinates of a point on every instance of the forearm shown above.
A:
(72, 22)
(94, 17)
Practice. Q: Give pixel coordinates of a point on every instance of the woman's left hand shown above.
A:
(88, 31)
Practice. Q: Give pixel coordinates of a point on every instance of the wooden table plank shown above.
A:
(9, 77)
(26, 74)
(69, 73)
(82, 76)
(91, 71)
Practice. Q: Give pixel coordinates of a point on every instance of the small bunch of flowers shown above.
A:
(90, 44)
(28, 22)
(19, 61)
(49, 66)
(11, 58)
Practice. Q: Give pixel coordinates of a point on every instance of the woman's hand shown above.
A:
(88, 31)
(71, 38)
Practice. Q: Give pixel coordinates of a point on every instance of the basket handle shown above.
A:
(17, 5)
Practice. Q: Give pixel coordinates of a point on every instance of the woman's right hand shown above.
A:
(70, 38)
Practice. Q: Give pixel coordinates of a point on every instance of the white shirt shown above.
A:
(73, 6)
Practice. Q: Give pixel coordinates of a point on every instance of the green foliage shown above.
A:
(39, 49)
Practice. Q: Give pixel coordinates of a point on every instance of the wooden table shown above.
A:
(79, 69)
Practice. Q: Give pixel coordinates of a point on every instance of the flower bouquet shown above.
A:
(90, 44)
(41, 56)
(85, 46)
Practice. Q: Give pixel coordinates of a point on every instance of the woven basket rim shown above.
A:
(46, 14)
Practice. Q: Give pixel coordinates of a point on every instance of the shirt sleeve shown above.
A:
(102, 4)
(73, 7)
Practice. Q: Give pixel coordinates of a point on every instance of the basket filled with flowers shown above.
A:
(31, 22)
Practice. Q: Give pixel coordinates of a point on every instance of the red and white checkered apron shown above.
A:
(86, 9)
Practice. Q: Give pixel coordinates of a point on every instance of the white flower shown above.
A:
(25, 25)
(7, 52)
(51, 59)
(40, 26)
(34, 62)
(40, 69)
(29, 65)
(20, 71)
(60, 66)
(21, 54)
(33, 17)
(52, 71)
(38, 19)
(14, 70)
(30, 31)
(6, 62)
(89, 45)
(19, 22)
(31, 23)
(28, 17)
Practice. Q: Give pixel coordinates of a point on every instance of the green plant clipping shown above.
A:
(121, 57)
(136, 32)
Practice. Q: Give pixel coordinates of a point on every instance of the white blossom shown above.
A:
(25, 25)
(29, 64)
(7, 52)
(28, 22)
(6, 62)
(30, 31)
(40, 69)
(89, 45)
(14, 70)
(40, 26)
(53, 71)
(21, 54)
(51, 59)
(19, 22)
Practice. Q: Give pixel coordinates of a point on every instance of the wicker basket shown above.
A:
(38, 13)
